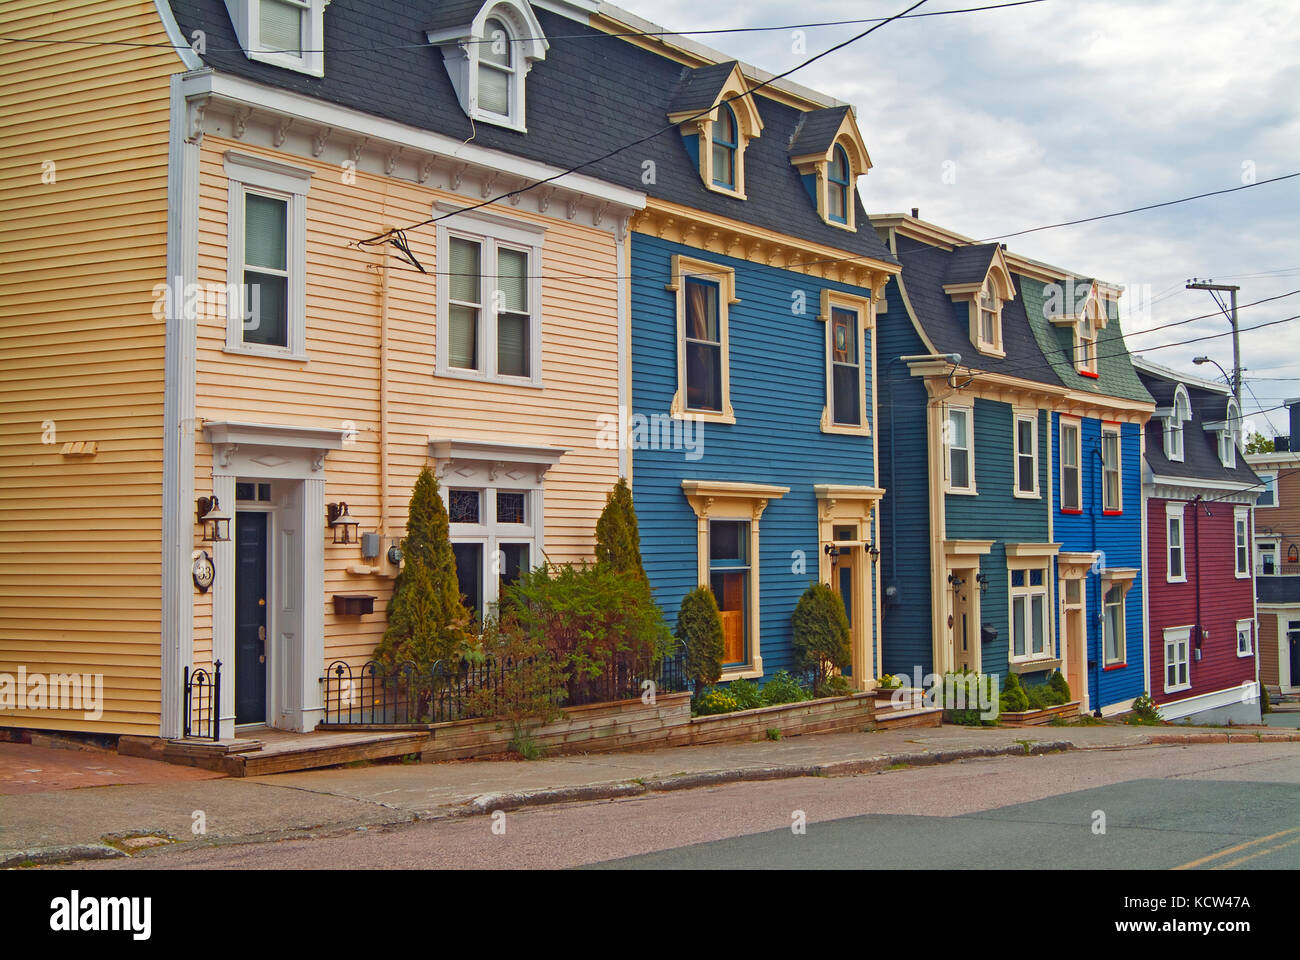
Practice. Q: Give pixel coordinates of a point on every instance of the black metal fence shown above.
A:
(376, 694)
(203, 702)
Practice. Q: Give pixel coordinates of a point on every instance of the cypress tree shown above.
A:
(618, 540)
(699, 626)
(426, 619)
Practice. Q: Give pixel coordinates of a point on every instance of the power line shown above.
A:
(658, 34)
(397, 235)
(1207, 316)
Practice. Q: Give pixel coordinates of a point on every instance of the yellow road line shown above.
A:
(1237, 849)
(1252, 856)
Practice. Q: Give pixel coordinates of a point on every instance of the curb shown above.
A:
(48, 855)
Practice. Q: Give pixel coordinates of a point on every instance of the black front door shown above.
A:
(1293, 639)
(250, 617)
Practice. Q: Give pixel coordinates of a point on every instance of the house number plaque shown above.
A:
(204, 571)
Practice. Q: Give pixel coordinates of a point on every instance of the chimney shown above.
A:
(916, 213)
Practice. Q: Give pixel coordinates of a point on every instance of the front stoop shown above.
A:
(276, 752)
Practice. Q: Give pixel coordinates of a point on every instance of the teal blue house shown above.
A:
(752, 422)
(1000, 552)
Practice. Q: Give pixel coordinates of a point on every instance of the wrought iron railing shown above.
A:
(378, 694)
(202, 692)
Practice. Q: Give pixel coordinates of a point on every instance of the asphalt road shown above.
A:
(1203, 807)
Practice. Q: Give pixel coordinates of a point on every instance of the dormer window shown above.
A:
(1228, 432)
(1179, 413)
(717, 119)
(496, 75)
(489, 57)
(1086, 348)
(978, 277)
(726, 141)
(283, 33)
(837, 190)
(828, 151)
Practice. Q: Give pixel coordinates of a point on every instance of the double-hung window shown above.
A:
(726, 141)
(1071, 477)
(1113, 623)
(1241, 532)
(1176, 563)
(704, 293)
(1245, 638)
(496, 69)
(266, 256)
(1268, 490)
(489, 320)
(494, 535)
(1177, 643)
(838, 178)
(1026, 466)
(1029, 623)
(960, 449)
(1112, 469)
(848, 354)
(1086, 357)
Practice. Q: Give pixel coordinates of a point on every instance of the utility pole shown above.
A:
(1215, 289)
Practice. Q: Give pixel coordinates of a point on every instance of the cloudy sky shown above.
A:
(1071, 108)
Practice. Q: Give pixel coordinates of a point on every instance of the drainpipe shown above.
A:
(1196, 569)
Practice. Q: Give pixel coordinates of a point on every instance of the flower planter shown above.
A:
(1038, 718)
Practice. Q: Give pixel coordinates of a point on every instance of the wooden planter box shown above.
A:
(1038, 718)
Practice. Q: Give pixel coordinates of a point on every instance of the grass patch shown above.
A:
(773, 733)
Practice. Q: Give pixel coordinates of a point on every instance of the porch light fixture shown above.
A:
(874, 551)
(955, 580)
(983, 581)
(341, 522)
(216, 522)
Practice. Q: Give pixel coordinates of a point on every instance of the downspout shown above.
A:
(1196, 569)
(383, 394)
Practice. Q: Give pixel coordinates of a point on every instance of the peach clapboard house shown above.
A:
(145, 193)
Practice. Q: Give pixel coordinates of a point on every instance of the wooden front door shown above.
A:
(1074, 638)
(250, 616)
(965, 632)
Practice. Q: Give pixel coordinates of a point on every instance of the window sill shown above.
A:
(851, 228)
(1112, 513)
(1243, 576)
(271, 353)
(1072, 513)
(827, 426)
(455, 373)
(1115, 666)
(1175, 579)
(497, 120)
(1178, 689)
(1034, 666)
(1022, 495)
(991, 352)
(744, 672)
(1089, 373)
(962, 492)
(726, 191)
(1243, 656)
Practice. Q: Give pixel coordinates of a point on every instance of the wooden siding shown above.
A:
(1281, 521)
(905, 642)
(778, 390)
(340, 384)
(1119, 538)
(80, 538)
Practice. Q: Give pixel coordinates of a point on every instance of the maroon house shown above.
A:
(1199, 494)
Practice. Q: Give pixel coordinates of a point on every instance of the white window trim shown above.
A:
(1172, 511)
(1027, 565)
(1249, 627)
(1085, 351)
(724, 500)
(831, 299)
(249, 172)
(490, 231)
(246, 19)
(1277, 499)
(725, 277)
(1241, 538)
(1030, 416)
(460, 48)
(1174, 425)
(1176, 635)
(1119, 468)
(969, 448)
(1077, 425)
(492, 534)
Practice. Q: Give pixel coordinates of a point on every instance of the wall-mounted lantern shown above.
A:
(983, 581)
(341, 522)
(874, 551)
(216, 522)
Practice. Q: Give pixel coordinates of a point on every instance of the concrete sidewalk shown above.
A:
(111, 821)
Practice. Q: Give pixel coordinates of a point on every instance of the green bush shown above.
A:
(699, 627)
(1013, 698)
(835, 686)
(969, 714)
(1144, 711)
(426, 619)
(1044, 695)
(746, 694)
(1265, 705)
(782, 687)
(587, 618)
(618, 540)
(1058, 683)
(714, 701)
(821, 633)
(889, 682)
(531, 688)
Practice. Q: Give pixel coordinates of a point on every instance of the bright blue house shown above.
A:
(983, 569)
(752, 419)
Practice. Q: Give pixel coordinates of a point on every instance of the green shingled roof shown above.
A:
(1117, 378)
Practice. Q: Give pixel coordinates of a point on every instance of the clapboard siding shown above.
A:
(778, 391)
(341, 382)
(1210, 565)
(906, 643)
(80, 539)
(1119, 538)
